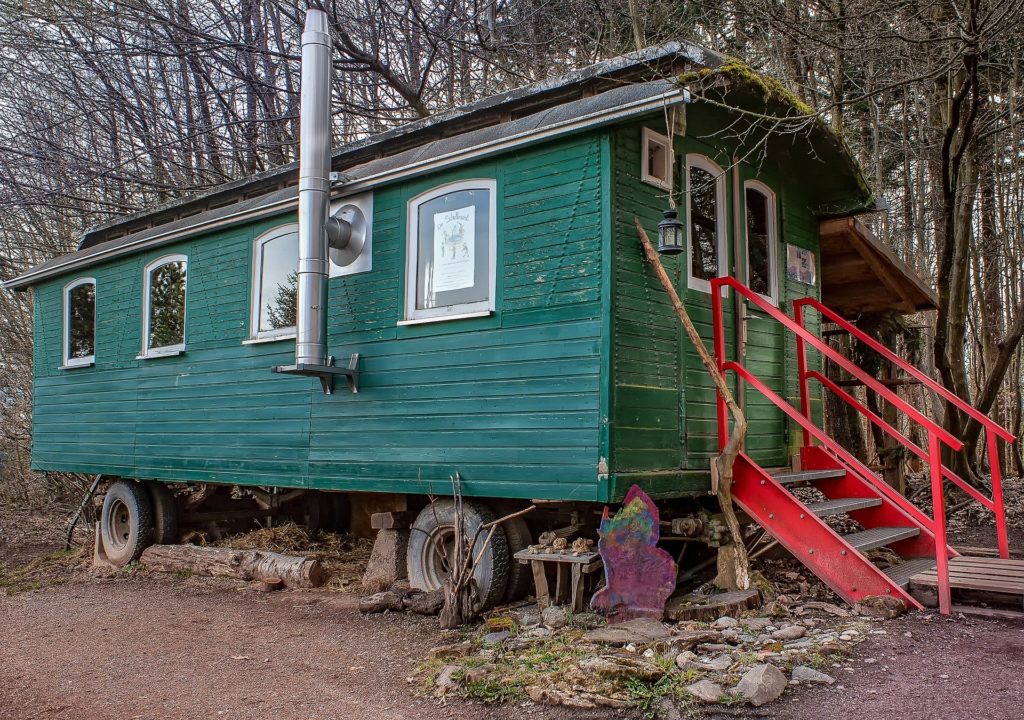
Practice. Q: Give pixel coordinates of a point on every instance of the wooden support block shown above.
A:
(577, 588)
(389, 520)
(540, 581)
(562, 583)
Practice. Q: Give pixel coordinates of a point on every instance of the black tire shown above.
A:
(434, 528)
(520, 576)
(165, 514)
(126, 525)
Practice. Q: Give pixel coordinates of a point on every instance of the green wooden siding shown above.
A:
(511, 401)
(664, 423)
(581, 383)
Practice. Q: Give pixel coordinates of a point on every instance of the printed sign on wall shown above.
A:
(454, 246)
(800, 264)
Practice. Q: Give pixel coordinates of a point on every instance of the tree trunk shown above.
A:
(228, 562)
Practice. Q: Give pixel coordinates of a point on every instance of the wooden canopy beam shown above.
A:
(861, 275)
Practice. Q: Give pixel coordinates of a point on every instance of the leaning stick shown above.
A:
(726, 460)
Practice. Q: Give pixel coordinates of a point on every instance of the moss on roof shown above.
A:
(735, 85)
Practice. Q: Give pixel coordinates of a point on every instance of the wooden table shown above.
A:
(569, 568)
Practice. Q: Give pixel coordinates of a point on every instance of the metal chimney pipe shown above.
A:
(314, 190)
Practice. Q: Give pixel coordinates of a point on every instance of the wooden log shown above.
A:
(233, 563)
(707, 608)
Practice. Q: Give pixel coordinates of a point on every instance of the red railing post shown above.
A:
(801, 369)
(997, 493)
(939, 523)
(719, 325)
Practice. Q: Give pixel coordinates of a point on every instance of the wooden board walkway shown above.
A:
(983, 574)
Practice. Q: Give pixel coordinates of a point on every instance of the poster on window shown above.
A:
(454, 246)
(800, 264)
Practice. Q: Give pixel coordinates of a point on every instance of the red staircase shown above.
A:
(849, 486)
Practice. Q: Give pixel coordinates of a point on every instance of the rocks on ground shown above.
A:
(761, 684)
(751, 656)
(706, 691)
(804, 674)
(554, 617)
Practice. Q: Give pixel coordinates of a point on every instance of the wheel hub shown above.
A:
(119, 524)
(437, 555)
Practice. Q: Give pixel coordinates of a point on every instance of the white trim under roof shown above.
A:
(674, 96)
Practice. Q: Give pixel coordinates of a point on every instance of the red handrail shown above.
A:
(892, 357)
(993, 430)
(862, 470)
(936, 434)
(898, 436)
(834, 355)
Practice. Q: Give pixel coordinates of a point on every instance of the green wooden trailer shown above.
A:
(504, 325)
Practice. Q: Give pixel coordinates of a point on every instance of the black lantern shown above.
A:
(670, 234)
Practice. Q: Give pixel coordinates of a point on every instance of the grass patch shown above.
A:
(493, 690)
(42, 572)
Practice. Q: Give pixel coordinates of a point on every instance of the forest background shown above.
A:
(111, 106)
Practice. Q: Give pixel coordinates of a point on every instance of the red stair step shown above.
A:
(902, 573)
(842, 505)
(880, 536)
(801, 476)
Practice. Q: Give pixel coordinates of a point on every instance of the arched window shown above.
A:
(163, 317)
(275, 266)
(79, 323)
(705, 186)
(450, 268)
(762, 253)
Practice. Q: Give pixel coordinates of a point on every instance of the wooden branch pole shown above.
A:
(295, 571)
(724, 462)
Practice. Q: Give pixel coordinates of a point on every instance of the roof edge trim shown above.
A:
(672, 97)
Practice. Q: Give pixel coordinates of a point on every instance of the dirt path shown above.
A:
(170, 648)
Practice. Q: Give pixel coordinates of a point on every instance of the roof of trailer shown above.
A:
(612, 89)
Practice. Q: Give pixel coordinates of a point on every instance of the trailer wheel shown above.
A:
(165, 514)
(432, 543)
(126, 525)
(520, 575)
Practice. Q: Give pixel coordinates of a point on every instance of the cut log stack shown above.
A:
(294, 571)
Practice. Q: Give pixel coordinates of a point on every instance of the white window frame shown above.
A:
(651, 136)
(773, 238)
(414, 316)
(67, 360)
(166, 350)
(255, 334)
(705, 163)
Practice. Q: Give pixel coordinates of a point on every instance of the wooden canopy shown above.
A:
(861, 275)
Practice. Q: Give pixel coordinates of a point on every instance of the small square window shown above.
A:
(656, 155)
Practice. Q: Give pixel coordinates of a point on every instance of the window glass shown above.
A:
(278, 282)
(81, 321)
(657, 160)
(759, 260)
(453, 249)
(166, 322)
(703, 224)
